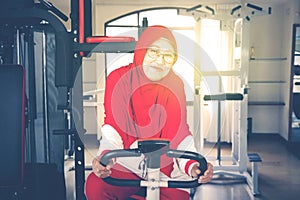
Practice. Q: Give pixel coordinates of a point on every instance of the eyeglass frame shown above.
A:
(159, 53)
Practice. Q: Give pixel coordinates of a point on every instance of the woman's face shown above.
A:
(159, 59)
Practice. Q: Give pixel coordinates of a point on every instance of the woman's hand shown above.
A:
(206, 177)
(99, 170)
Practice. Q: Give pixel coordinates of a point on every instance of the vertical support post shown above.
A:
(77, 122)
(77, 105)
(244, 104)
(31, 94)
(153, 175)
(198, 133)
(255, 178)
(45, 98)
(18, 46)
(153, 171)
(219, 132)
(79, 167)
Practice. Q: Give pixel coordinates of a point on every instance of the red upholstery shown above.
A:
(98, 39)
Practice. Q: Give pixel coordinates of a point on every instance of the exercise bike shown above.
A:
(153, 149)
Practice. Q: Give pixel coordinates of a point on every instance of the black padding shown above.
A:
(64, 74)
(224, 96)
(296, 104)
(254, 157)
(87, 18)
(43, 182)
(11, 125)
(297, 69)
(16, 4)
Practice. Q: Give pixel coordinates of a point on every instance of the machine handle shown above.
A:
(192, 156)
(51, 7)
(189, 155)
(104, 160)
(224, 96)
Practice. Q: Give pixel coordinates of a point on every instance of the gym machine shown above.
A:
(237, 171)
(152, 150)
(35, 43)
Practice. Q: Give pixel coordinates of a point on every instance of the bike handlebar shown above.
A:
(118, 153)
(170, 153)
(189, 155)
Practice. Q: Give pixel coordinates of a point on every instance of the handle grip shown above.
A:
(104, 160)
(192, 156)
(189, 155)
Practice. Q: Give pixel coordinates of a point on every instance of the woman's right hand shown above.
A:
(99, 170)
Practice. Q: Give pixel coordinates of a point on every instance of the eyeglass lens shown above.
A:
(154, 53)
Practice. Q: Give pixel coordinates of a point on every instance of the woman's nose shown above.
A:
(160, 59)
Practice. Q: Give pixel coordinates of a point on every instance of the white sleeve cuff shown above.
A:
(110, 139)
(190, 168)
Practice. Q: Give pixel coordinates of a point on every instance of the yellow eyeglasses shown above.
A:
(168, 56)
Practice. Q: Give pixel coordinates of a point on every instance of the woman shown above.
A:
(145, 99)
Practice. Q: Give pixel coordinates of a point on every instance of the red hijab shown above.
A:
(139, 108)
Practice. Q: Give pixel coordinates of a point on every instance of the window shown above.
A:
(203, 47)
(182, 26)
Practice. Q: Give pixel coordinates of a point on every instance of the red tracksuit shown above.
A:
(137, 108)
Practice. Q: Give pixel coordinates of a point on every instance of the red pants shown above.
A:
(97, 189)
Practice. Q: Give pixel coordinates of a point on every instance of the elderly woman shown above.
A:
(145, 99)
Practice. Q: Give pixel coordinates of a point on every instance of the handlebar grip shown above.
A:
(192, 156)
(183, 184)
(122, 182)
(104, 160)
(189, 155)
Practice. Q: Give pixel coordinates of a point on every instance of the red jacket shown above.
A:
(136, 107)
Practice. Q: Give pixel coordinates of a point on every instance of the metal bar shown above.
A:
(275, 58)
(233, 10)
(45, 99)
(79, 168)
(153, 176)
(18, 46)
(254, 7)
(193, 8)
(31, 94)
(266, 81)
(105, 47)
(210, 9)
(219, 133)
(265, 103)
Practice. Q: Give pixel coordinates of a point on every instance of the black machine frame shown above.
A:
(71, 48)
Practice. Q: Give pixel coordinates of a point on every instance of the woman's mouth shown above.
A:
(157, 68)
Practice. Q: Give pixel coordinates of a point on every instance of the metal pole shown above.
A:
(152, 191)
(219, 132)
(45, 99)
(18, 46)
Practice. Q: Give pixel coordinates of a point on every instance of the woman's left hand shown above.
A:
(206, 177)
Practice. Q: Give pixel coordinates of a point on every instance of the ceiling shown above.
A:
(64, 5)
(189, 2)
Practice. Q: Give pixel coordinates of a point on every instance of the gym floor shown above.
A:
(279, 174)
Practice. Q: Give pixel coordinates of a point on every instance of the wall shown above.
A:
(266, 41)
(290, 17)
(271, 38)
